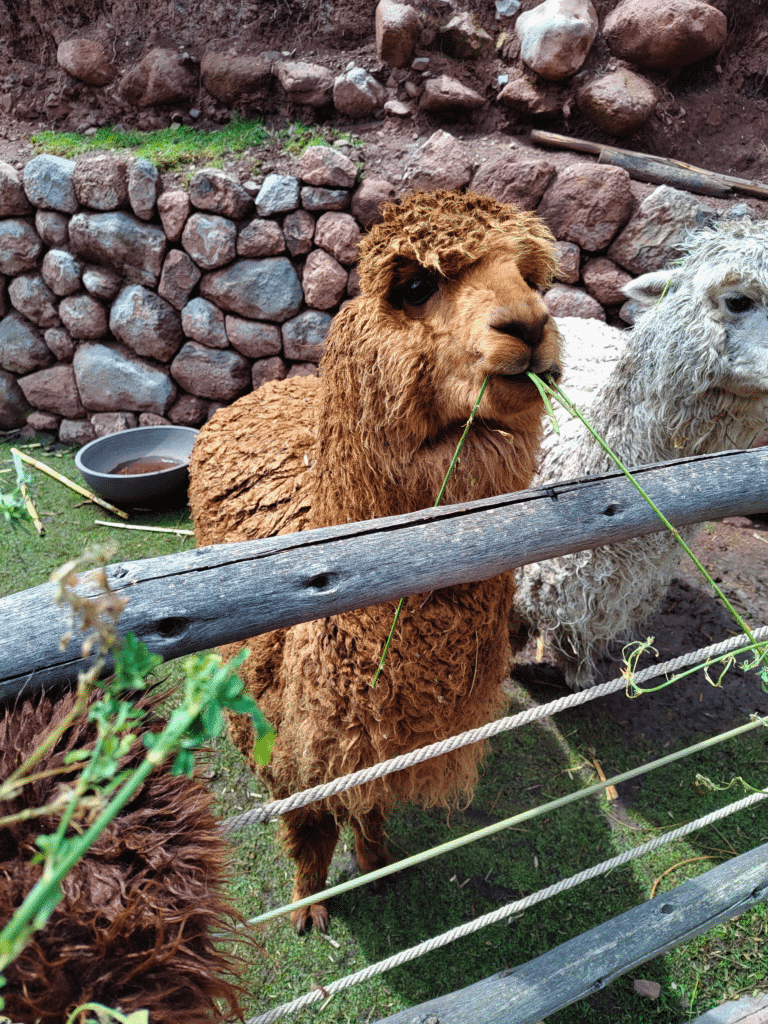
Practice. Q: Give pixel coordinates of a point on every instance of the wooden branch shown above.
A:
(658, 169)
(197, 599)
(591, 961)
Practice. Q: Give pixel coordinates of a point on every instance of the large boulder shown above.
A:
(220, 374)
(13, 404)
(209, 240)
(356, 93)
(53, 390)
(216, 192)
(656, 234)
(145, 322)
(556, 36)
(120, 241)
(32, 297)
(160, 77)
(20, 246)
(445, 94)
(443, 163)
(663, 35)
(588, 204)
(101, 180)
(515, 179)
(22, 348)
(397, 31)
(266, 289)
(13, 201)
(86, 60)
(310, 85)
(231, 78)
(323, 165)
(111, 378)
(620, 102)
(48, 183)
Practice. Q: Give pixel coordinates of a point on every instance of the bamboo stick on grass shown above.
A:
(149, 529)
(31, 509)
(70, 483)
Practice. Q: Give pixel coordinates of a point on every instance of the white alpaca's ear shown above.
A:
(649, 288)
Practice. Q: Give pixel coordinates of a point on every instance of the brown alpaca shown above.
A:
(448, 295)
(140, 913)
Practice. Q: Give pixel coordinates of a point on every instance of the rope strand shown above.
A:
(276, 808)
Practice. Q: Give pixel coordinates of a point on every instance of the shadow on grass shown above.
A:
(524, 769)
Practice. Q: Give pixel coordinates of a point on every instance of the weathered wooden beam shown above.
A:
(589, 962)
(658, 169)
(226, 593)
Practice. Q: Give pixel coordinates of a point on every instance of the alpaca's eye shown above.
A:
(738, 303)
(417, 290)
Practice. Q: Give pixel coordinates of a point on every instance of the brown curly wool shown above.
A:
(374, 436)
(135, 928)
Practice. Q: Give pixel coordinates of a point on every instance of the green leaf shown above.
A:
(183, 764)
(262, 748)
(133, 663)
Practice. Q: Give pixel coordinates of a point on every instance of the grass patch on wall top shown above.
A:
(178, 146)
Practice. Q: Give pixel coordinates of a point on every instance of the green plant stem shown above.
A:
(441, 492)
(549, 387)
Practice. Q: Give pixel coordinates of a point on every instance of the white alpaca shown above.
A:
(690, 377)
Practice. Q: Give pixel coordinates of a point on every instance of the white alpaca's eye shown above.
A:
(417, 290)
(738, 303)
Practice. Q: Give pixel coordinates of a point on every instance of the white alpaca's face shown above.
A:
(742, 312)
(488, 322)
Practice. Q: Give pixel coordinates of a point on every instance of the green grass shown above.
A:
(178, 147)
(539, 762)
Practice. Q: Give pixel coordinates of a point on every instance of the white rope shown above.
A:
(276, 808)
(502, 913)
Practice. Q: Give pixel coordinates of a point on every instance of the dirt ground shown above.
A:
(713, 114)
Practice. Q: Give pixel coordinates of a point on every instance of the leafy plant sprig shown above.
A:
(12, 505)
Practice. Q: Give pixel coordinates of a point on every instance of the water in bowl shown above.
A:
(146, 464)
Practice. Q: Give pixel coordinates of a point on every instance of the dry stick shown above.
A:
(147, 529)
(70, 483)
(439, 498)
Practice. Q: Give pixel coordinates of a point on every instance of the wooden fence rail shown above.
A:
(190, 601)
(590, 961)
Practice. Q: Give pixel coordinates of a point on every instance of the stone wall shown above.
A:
(123, 304)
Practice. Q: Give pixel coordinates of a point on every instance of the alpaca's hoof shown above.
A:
(305, 917)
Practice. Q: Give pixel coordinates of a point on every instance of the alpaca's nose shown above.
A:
(529, 332)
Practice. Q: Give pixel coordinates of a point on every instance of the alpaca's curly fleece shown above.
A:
(690, 377)
(136, 927)
(374, 436)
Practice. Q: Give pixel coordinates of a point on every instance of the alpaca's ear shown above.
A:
(648, 289)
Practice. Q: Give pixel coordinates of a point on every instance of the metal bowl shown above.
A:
(147, 466)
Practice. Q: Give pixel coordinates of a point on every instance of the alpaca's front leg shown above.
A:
(370, 841)
(310, 838)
